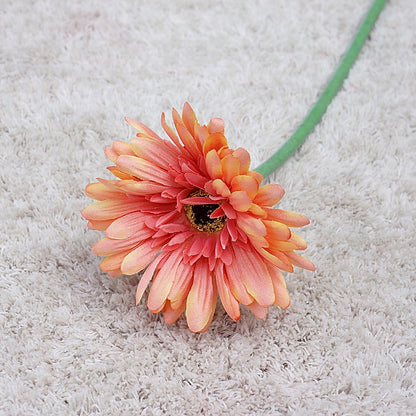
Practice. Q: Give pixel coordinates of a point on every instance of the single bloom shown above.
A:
(196, 219)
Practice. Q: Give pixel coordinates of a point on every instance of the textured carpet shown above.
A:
(72, 341)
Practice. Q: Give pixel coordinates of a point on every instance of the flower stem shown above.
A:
(334, 85)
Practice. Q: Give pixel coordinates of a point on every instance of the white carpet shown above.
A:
(72, 341)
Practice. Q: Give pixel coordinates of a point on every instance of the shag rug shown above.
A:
(72, 340)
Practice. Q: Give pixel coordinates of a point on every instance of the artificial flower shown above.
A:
(196, 219)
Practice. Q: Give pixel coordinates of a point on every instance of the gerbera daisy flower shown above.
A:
(192, 214)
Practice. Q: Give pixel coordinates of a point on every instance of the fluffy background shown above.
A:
(72, 341)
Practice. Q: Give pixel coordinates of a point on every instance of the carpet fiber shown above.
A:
(72, 340)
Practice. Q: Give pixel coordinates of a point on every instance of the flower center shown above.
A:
(199, 215)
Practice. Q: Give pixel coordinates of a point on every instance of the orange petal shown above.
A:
(135, 187)
(251, 225)
(269, 195)
(215, 141)
(189, 118)
(283, 245)
(300, 261)
(171, 315)
(236, 285)
(181, 285)
(255, 276)
(258, 177)
(201, 298)
(99, 225)
(101, 192)
(170, 132)
(245, 183)
(109, 209)
(278, 259)
(277, 230)
(230, 167)
(216, 125)
(213, 164)
(240, 201)
(119, 173)
(221, 188)
(244, 157)
(279, 285)
(298, 241)
(127, 225)
(188, 140)
(113, 262)
(292, 219)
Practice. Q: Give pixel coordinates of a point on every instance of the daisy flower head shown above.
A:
(191, 214)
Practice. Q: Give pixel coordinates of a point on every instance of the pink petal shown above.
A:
(258, 311)
(108, 246)
(146, 278)
(109, 209)
(236, 285)
(251, 225)
(155, 151)
(135, 187)
(144, 169)
(202, 297)
(181, 285)
(142, 128)
(216, 125)
(255, 276)
(139, 258)
(229, 302)
(163, 281)
(127, 226)
(189, 117)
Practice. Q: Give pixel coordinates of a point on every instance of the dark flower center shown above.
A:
(199, 215)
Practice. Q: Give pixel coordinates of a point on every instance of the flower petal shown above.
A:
(171, 315)
(258, 311)
(201, 298)
(127, 226)
(216, 125)
(282, 298)
(269, 195)
(230, 167)
(214, 141)
(300, 261)
(109, 209)
(146, 278)
(213, 164)
(139, 258)
(144, 169)
(240, 201)
(292, 219)
(140, 127)
(229, 302)
(277, 230)
(245, 183)
(244, 157)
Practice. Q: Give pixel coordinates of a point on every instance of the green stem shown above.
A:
(334, 85)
